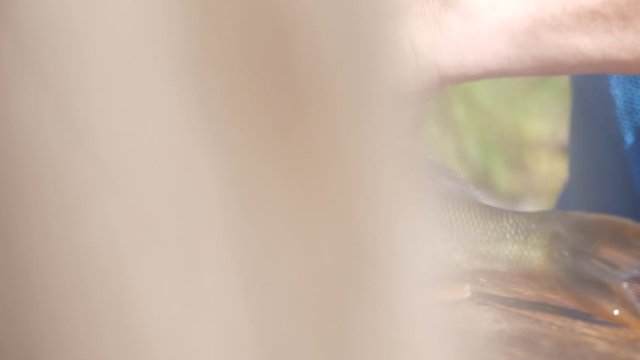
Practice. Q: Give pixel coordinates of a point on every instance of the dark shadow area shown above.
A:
(538, 306)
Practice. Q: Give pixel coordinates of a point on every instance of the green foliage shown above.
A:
(507, 136)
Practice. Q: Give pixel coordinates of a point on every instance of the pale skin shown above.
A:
(466, 40)
(200, 180)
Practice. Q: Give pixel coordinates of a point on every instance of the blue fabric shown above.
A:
(625, 91)
(601, 150)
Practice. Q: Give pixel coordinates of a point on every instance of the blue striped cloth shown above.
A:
(625, 91)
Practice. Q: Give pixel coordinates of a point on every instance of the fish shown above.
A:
(595, 258)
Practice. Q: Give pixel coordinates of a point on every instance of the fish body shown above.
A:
(595, 257)
(510, 240)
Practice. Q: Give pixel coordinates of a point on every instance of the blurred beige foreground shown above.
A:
(189, 179)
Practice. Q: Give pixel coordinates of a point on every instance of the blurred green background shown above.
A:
(508, 137)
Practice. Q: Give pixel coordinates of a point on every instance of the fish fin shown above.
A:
(597, 259)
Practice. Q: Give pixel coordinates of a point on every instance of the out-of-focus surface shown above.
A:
(507, 136)
(207, 180)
